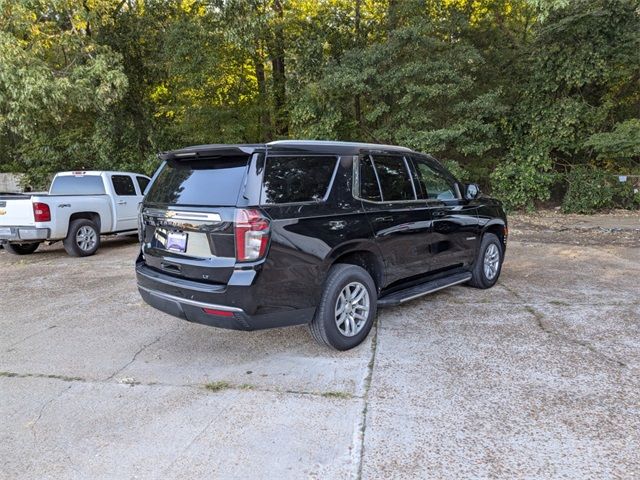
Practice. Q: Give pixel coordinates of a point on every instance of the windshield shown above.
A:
(199, 183)
(77, 185)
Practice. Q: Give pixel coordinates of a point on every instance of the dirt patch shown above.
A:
(619, 227)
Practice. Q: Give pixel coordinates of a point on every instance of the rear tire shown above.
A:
(347, 308)
(83, 238)
(488, 265)
(21, 248)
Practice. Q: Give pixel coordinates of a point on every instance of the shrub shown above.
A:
(591, 189)
(520, 183)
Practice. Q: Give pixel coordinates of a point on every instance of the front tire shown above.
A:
(347, 308)
(488, 265)
(83, 238)
(21, 248)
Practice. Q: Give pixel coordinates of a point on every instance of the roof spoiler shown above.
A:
(209, 152)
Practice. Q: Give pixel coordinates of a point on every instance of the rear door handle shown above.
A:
(121, 202)
(439, 213)
(388, 218)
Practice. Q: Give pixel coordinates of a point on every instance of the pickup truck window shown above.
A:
(77, 185)
(143, 182)
(123, 185)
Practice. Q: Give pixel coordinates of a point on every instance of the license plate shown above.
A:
(176, 241)
(5, 231)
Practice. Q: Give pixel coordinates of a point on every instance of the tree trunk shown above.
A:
(264, 127)
(281, 115)
(357, 102)
(392, 16)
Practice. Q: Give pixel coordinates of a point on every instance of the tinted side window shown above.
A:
(297, 179)
(433, 184)
(123, 185)
(394, 178)
(142, 183)
(369, 188)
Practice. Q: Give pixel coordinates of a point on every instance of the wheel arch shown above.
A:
(92, 216)
(499, 229)
(363, 254)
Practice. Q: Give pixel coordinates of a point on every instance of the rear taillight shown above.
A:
(41, 212)
(252, 235)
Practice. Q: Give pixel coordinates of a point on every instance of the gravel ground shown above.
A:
(619, 227)
(535, 378)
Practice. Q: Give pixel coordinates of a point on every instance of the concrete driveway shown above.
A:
(536, 378)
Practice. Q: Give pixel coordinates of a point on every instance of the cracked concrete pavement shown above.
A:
(535, 378)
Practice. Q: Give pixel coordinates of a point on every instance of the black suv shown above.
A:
(308, 232)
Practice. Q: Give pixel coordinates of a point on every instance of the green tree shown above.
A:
(580, 78)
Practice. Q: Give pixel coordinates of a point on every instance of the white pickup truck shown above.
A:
(79, 207)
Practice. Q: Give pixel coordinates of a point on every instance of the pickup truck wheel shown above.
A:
(21, 248)
(488, 264)
(347, 309)
(83, 238)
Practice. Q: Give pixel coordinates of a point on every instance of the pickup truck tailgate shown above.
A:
(16, 210)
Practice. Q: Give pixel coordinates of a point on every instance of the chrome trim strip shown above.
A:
(435, 289)
(182, 215)
(193, 303)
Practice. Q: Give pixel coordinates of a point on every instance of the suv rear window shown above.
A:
(297, 179)
(199, 183)
(77, 185)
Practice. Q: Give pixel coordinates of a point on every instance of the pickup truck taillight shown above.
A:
(41, 212)
(252, 235)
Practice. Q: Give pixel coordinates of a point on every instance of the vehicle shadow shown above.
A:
(56, 250)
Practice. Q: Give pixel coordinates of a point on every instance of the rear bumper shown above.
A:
(25, 234)
(237, 304)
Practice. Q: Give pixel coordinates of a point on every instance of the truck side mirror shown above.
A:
(471, 191)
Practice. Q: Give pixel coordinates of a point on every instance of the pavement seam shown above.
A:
(539, 318)
(365, 397)
(195, 386)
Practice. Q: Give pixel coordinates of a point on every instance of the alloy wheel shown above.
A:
(352, 309)
(491, 261)
(86, 238)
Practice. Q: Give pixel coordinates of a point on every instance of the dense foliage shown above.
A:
(531, 98)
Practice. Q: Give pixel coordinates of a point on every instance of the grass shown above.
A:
(64, 378)
(559, 302)
(343, 395)
(217, 386)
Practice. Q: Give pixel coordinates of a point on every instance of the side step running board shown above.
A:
(401, 296)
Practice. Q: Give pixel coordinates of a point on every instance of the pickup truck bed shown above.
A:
(81, 207)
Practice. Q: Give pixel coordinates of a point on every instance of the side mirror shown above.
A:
(471, 191)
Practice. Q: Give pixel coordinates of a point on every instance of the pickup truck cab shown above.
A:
(79, 207)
